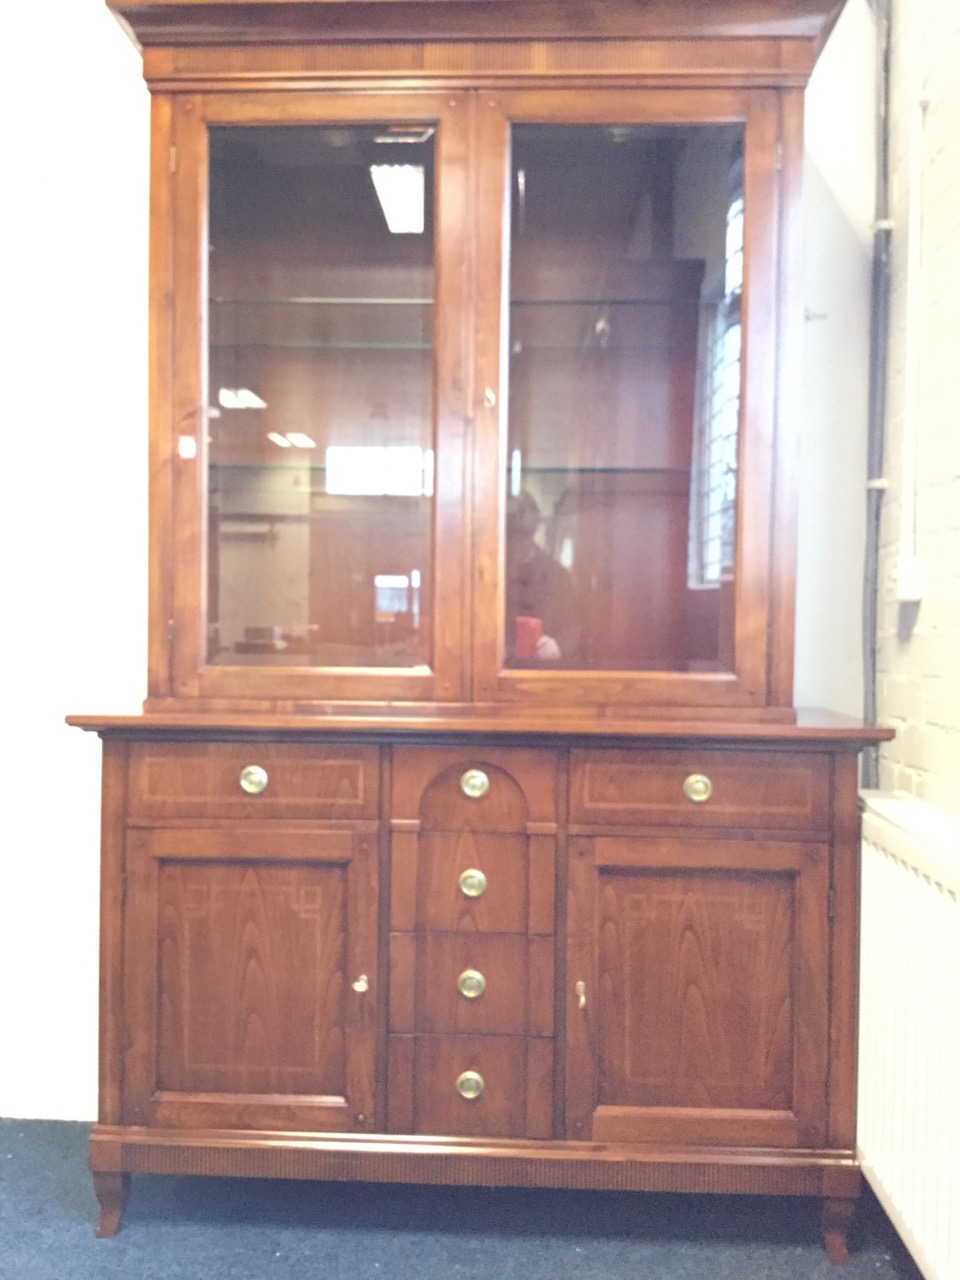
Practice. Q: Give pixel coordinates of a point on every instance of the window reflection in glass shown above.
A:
(624, 397)
(319, 420)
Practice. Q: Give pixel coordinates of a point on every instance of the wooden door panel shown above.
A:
(240, 972)
(695, 979)
(251, 978)
(706, 1017)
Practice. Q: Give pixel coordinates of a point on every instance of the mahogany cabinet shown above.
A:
(469, 833)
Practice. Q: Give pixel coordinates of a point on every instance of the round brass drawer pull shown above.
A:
(474, 783)
(471, 984)
(698, 788)
(473, 883)
(470, 1085)
(253, 779)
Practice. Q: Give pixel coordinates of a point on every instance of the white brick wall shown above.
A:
(918, 646)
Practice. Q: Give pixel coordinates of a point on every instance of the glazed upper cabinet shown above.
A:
(469, 397)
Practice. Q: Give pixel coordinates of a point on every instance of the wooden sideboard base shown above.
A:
(116, 1152)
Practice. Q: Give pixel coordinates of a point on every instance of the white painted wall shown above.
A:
(74, 393)
(919, 645)
(73, 513)
(839, 212)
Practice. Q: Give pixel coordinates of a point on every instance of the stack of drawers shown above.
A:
(471, 945)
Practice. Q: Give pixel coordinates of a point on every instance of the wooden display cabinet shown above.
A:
(469, 834)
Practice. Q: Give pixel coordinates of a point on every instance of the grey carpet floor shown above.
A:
(233, 1229)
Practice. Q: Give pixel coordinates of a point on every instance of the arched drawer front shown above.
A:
(437, 787)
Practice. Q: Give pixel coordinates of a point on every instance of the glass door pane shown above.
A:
(624, 396)
(320, 375)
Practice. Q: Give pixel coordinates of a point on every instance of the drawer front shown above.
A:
(514, 1075)
(727, 789)
(482, 985)
(186, 780)
(479, 789)
(476, 882)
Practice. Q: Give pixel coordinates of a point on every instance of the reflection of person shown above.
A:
(539, 591)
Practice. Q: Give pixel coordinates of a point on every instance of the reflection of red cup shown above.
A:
(528, 632)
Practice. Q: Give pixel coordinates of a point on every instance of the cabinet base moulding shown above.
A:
(464, 1162)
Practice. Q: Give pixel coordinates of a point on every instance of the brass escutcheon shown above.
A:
(470, 1085)
(472, 883)
(253, 779)
(698, 788)
(471, 984)
(474, 783)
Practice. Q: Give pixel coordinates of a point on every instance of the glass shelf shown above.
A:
(220, 301)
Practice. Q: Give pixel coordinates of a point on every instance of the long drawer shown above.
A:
(729, 789)
(255, 780)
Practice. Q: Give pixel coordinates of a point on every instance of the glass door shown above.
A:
(319, 491)
(625, 445)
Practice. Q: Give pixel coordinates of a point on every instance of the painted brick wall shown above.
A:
(919, 644)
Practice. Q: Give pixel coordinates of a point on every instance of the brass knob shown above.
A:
(470, 1085)
(580, 991)
(253, 779)
(362, 984)
(472, 883)
(698, 788)
(471, 984)
(474, 783)
(489, 397)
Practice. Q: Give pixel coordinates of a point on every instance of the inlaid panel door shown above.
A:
(697, 991)
(250, 974)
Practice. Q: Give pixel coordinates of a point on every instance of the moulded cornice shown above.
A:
(279, 22)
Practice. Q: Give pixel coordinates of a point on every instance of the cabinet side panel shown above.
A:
(111, 929)
(187, 545)
(161, 375)
(783, 533)
(844, 935)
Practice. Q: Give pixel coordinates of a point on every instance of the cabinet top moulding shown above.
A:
(814, 727)
(243, 22)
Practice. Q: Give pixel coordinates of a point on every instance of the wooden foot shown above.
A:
(837, 1219)
(111, 1190)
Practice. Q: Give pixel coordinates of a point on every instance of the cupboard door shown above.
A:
(250, 978)
(702, 1014)
(625, 453)
(313, 423)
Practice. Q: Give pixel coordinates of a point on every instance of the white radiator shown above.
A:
(908, 1127)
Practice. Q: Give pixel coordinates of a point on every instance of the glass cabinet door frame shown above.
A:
(178, 666)
(747, 684)
(470, 409)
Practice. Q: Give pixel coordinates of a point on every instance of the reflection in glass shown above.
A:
(319, 419)
(624, 396)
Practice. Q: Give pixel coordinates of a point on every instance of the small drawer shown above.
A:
(484, 985)
(252, 780)
(772, 790)
(474, 789)
(471, 1086)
